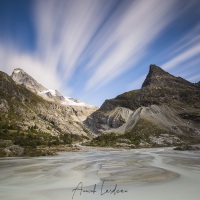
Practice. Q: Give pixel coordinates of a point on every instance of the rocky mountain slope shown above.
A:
(29, 120)
(23, 109)
(166, 110)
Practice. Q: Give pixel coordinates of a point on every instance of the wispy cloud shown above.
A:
(137, 27)
(65, 28)
(182, 57)
(113, 42)
(99, 39)
(13, 58)
(63, 31)
(184, 49)
(191, 38)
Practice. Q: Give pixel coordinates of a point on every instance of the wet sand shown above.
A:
(152, 174)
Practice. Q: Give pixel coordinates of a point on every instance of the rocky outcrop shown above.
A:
(4, 107)
(14, 150)
(8, 149)
(112, 121)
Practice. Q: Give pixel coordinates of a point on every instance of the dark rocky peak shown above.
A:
(158, 78)
(156, 70)
(22, 78)
(155, 76)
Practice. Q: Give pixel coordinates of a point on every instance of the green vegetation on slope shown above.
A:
(139, 134)
(33, 138)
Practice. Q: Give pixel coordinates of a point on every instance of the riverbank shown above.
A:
(8, 149)
(159, 173)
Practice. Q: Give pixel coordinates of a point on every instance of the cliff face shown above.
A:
(168, 102)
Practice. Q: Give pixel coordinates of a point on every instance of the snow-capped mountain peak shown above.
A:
(22, 78)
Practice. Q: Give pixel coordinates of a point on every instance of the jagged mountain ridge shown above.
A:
(23, 109)
(158, 77)
(24, 79)
(159, 87)
(168, 102)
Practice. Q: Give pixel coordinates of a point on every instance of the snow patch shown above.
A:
(75, 102)
(53, 92)
(68, 100)
(17, 71)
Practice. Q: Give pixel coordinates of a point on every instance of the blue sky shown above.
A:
(96, 49)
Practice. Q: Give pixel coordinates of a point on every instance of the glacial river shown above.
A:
(145, 174)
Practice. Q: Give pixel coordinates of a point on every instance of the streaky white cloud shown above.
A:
(65, 28)
(182, 57)
(185, 42)
(11, 58)
(137, 28)
(188, 40)
(100, 38)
